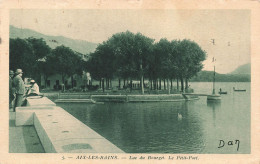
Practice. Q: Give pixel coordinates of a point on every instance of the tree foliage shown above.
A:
(27, 54)
(66, 62)
(124, 55)
(128, 55)
(35, 57)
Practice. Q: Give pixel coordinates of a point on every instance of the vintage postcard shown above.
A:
(131, 81)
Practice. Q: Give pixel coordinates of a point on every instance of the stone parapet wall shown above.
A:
(59, 131)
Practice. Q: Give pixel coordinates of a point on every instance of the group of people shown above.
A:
(17, 89)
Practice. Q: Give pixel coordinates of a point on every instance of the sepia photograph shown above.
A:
(130, 84)
(112, 81)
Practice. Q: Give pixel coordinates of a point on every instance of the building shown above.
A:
(55, 81)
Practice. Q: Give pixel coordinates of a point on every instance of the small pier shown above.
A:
(196, 94)
(210, 97)
(96, 99)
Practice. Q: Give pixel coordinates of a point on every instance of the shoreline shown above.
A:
(124, 98)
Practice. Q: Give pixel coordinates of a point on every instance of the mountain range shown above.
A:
(241, 74)
(81, 46)
(243, 69)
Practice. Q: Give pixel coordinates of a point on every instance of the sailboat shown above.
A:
(214, 96)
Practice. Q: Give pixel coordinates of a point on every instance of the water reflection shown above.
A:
(156, 127)
(214, 105)
(143, 127)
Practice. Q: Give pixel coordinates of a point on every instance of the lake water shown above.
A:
(155, 128)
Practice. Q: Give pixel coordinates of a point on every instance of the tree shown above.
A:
(39, 46)
(27, 54)
(131, 52)
(40, 51)
(66, 62)
(162, 63)
(21, 56)
(128, 55)
(123, 55)
(47, 68)
(189, 57)
(102, 63)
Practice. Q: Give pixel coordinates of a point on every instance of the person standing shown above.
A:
(11, 93)
(19, 88)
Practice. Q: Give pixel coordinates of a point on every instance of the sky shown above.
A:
(230, 29)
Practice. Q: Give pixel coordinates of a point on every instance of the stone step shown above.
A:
(74, 100)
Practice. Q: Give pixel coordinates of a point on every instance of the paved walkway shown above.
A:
(23, 139)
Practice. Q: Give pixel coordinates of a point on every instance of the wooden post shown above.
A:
(142, 77)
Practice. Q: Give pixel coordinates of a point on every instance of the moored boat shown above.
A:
(221, 92)
(239, 90)
(213, 97)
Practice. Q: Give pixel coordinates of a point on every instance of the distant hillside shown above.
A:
(207, 76)
(81, 46)
(243, 69)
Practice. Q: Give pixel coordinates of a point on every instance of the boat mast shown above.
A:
(213, 92)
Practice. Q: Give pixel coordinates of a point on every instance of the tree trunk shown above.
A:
(171, 83)
(182, 85)
(142, 84)
(177, 84)
(186, 84)
(45, 81)
(160, 84)
(62, 77)
(107, 83)
(131, 85)
(72, 85)
(100, 83)
(119, 83)
(142, 77)
(124, 83)
(157, 84)
(164, 86)
(103, 84)
(110, 83)
(168, 86)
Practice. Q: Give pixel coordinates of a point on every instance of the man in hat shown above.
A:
(19, 88)
(11, 93)
(34, 89)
